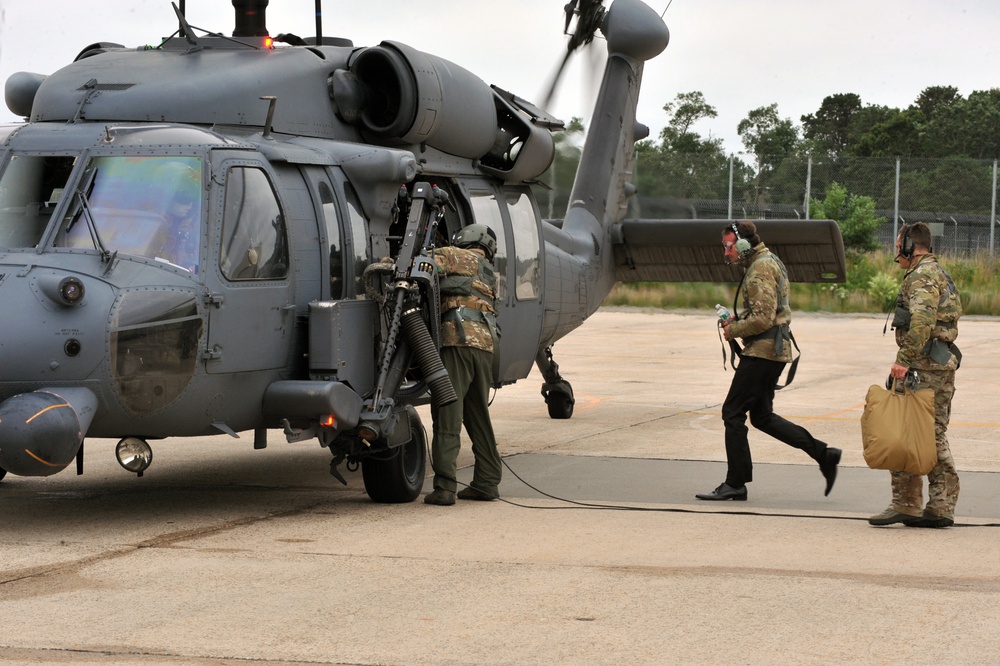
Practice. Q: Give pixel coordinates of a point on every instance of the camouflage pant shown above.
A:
(942, 491)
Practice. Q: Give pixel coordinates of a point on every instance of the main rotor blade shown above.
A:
(555, 81)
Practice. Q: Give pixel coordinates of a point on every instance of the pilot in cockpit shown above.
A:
(183, 222)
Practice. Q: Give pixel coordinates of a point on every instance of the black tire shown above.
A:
(3, 473)
(399, 476)
(560, 405)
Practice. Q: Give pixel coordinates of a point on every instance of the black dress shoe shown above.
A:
(725, 492)
(829, 467)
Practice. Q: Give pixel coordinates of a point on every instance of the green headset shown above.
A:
(742, 244)
(906, 247)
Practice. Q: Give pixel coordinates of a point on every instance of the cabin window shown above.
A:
(332, 222)
(144, 206)
(526, 247)
(30, 188)
(486, 210)
(359, 235)
(254, 239)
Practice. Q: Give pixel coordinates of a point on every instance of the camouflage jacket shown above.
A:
(930, 302)
(764, 295)
(468, 290)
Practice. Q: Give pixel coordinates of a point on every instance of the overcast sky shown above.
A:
(741, 54)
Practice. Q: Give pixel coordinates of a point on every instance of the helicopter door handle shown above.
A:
(214, 299)
(213, 354)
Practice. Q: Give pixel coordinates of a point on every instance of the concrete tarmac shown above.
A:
(221, 554)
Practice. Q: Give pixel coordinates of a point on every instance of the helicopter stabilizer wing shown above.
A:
(691, 251)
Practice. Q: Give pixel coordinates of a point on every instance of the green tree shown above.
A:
(966, 128)
(933, 98)
(685, 111)
(770, 139)
(830, 127)
(683, 165)
(899, 135)
(855, 215)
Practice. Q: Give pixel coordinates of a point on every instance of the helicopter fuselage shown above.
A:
(186, 234)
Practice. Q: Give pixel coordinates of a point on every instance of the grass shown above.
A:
(873, 281)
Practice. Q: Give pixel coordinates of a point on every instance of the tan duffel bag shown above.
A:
(897, 429)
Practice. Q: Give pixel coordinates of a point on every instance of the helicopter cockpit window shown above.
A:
(526, 246)
(144, 206)
(254, 240)
(486, 210)
(30, 188)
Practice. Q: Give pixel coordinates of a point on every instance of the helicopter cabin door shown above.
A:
(511, 212)
(251, 312)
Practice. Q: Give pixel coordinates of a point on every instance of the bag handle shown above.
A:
(910, 382)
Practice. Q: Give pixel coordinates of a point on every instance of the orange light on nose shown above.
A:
(328, 421)
(268, 43)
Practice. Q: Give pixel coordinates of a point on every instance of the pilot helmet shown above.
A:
(477, 234)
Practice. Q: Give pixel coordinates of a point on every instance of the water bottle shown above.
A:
(722, 312)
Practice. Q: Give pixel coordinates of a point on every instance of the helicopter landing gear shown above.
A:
(557, 391)
(397, 475)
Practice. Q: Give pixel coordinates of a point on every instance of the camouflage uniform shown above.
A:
(764, 328)
(928, 309)
(468, 288)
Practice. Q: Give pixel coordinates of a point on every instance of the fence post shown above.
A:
(895, 209)
(809, 175)
(729, 212)
(993, 210)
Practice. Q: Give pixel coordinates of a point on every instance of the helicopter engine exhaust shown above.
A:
(41, 432)
(442, 390)
(398, 95)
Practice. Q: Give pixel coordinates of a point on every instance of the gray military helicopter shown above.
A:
(224, 234)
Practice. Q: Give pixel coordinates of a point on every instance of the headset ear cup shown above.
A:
(906, 243)
(743, 246)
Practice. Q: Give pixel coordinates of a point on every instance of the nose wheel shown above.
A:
(560, 404)
(557, 391)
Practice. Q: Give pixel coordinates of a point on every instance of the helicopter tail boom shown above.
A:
(580, 263)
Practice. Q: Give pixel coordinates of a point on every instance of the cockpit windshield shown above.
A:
(30, 188)
(147, 206)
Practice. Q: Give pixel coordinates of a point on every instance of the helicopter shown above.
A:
(226, 234)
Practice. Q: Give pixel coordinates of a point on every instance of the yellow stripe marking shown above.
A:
(35, 416)
(44, 462)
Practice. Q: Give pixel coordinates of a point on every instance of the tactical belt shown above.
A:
(780, 333)
(941, 352)
(464, 313)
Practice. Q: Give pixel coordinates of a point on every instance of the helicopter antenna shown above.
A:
(319, 22)
(186, 32)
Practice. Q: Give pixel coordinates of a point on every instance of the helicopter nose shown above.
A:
(41, 431)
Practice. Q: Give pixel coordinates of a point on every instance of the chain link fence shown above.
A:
(957, 197)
